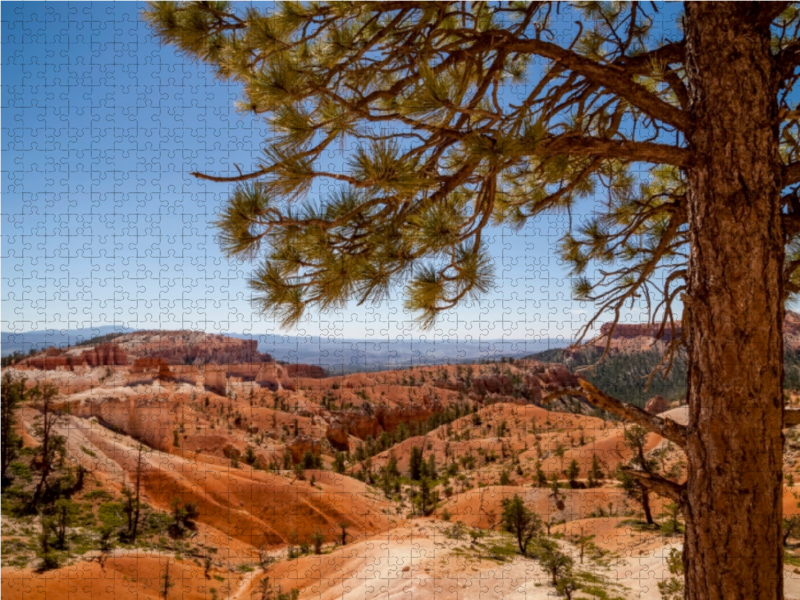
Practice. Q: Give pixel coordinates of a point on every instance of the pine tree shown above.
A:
(676, 130)
(521, 521)
(13, 393)
(635, 439)
(596, 473)
(431, 469)
(52, 445)
(573, 472)
(426, 497)
(416, 464)
(317, 539)
(338, 462)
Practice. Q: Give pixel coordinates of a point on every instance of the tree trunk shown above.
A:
(733, 308)
(135, 527)
(648, 514)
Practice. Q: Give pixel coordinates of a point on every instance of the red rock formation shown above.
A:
(559, 376)
(533, 388)
(302, 444)
(356, 422)
(492, 384)
(146, 364)
(44, 363)
(338, 435)
(359, 423)
(105, 355)
(627, 330)
(656, 405)
(310, 371)
(389, 418)
(637, 337)
(99, 356)
(192, 348)
(164, 373)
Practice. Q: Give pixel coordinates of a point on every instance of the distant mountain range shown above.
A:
(59, 338)
(332, 354)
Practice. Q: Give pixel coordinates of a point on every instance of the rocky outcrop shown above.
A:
(638, 337)
(389, 418)
(492, 384)
(355, 422)
(302, 444)
(188, 347)
(558, 376)
(361, 423)
(791, 331)
(338, 435)
(44, 363)
(629, 331)
(533, 388)
(656, 405)
(105, 355)
(310, 371)
(140, 365)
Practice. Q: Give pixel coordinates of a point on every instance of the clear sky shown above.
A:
(102, 223)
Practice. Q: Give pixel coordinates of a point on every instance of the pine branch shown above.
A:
(769, 11)
(614, 79)
(791, 174)
(788, 59)
(245, 177)
(581, 145)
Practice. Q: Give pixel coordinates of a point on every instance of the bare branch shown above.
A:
(660, 485)
(245, 177)
(666, 428)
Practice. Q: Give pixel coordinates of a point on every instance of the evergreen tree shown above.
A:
(521, 521)
(455, 116)
(338, 462)
(431, 469)
(415, 464)
(596, 473)
(426, 497)
(391, 467)
(12, 394)
(52, 446)
(573, 472)
(635, 439)
(553, 561)
(317, 539)
(541, 476)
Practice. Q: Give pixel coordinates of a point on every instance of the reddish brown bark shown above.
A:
(734, 308)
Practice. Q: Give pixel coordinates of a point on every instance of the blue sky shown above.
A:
(102, 223)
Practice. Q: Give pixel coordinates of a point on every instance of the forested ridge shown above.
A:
(625, 375)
